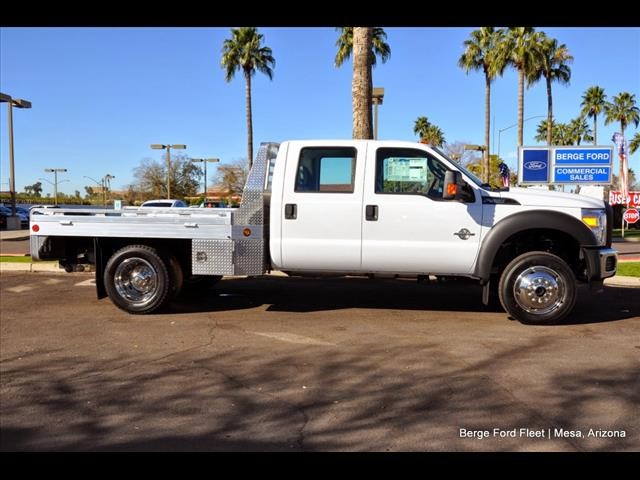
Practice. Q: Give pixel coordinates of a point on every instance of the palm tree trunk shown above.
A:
(595, 129)
(247, 77)
(370, 95)
(520, 105)
(622, 165)
(361, 83)
(487, 128)
(549, 110)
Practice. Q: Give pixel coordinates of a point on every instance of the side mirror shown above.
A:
(453, 184)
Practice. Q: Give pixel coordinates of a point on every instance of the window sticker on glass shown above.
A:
(406, 169)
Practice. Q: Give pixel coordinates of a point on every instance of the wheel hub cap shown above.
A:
(539, 290)
(136, 280)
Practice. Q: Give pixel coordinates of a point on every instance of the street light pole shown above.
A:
(18, 103)
(12, 183)
(99, 183)
(168, 171)
(376, 97)
(158, 146)
(205, 161)
(106, 186)
(55, 184)
(514, 125)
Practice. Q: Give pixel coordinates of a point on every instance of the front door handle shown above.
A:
(371, 213)
(291, 211)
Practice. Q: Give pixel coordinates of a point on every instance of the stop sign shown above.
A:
(631, 215)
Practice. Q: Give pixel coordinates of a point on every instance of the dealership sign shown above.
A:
(576, 165)
(633, 199)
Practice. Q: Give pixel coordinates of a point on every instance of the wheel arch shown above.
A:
(105, 247)
(557, 224)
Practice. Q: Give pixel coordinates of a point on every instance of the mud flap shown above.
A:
(485, 293)
(596, 286)
(101, 292)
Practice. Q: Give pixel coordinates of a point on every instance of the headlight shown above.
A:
(596, 220)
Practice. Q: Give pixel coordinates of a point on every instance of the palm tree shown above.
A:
(243, 51)
(521, 46)
(375, 43)
(634, 144)
(482, 53)
(433, 136)
(543, 128)
(379, 46)
(562, 134)
(593, 102)
(420, 126)
(623, 109)
(552, 64)
(428, 132)
(579, 130)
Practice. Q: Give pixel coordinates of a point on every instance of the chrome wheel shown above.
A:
(539, 290)
(136, 281)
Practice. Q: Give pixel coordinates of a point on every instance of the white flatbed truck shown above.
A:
(347, 207)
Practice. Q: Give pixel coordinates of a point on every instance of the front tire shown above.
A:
(137, 279)
(538, 288)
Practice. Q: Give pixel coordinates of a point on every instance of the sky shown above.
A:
(102, 95)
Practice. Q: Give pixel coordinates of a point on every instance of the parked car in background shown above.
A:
(39, 206)
(6, 212)
(167, 203)
(213, 204)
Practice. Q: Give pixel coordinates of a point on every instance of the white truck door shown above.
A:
(408, 227)
(321, 210)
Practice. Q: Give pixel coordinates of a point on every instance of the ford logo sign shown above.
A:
(535, 165)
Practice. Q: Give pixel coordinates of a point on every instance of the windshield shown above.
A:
(472, 176)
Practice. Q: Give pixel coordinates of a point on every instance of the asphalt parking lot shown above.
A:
(290, 364)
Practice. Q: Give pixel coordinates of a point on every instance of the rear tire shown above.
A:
(538, 288)
(137, 279)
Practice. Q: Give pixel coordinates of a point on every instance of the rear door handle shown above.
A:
(291, 211)
(371, 213)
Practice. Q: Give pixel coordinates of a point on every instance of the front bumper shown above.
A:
(601, 263)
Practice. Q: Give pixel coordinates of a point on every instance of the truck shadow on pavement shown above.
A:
(363, 397)
(294, 294)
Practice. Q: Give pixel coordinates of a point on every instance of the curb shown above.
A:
(628, 259)
(16, 239)
(622, 281)
(622, 240)
(30, 267)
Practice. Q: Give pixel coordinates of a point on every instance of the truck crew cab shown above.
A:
(352, 207)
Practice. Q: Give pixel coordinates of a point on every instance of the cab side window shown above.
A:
(326, 170)
(407, 171)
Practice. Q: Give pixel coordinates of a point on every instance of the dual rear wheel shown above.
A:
(141, 279)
